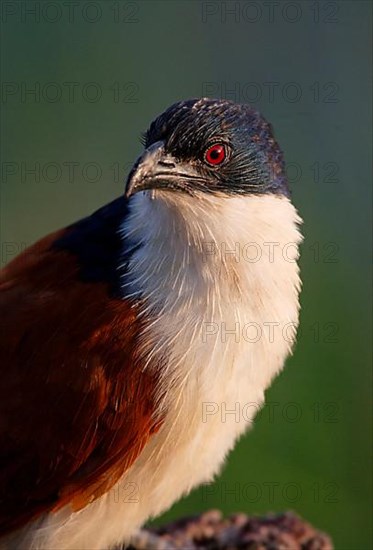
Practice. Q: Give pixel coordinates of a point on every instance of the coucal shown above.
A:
(126, 335)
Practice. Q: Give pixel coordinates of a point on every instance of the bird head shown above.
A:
(210, 146)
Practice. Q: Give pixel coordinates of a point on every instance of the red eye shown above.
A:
(216, 154)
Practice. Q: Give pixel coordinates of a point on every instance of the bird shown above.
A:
(138, 342)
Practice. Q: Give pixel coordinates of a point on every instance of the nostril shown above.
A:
(166, 163)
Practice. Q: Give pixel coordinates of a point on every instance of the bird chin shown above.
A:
(152, 194)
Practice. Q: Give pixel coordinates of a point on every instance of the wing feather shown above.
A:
(76, 409)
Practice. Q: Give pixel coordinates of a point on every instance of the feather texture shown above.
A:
(76, 407)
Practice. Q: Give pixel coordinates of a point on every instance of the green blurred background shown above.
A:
(102, 71)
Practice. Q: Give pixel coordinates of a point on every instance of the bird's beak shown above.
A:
(156, 169)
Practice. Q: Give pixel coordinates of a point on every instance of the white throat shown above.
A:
(214, 253)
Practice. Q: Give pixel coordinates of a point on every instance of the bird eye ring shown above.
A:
(216, 154)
